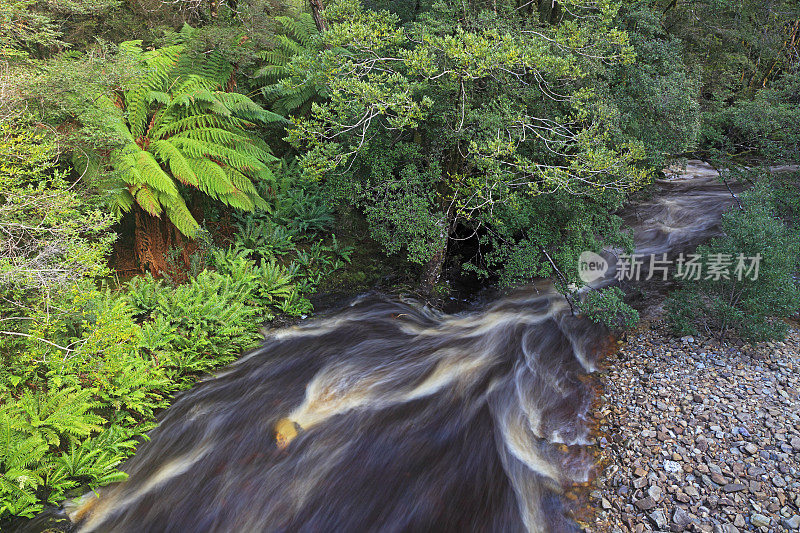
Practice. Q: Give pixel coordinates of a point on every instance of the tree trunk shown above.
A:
(432, 270)
(316, 11)
(153, 239)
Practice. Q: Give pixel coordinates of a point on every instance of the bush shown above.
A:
(84, 368)
(607, 307)
(748, 308)
(79, 387)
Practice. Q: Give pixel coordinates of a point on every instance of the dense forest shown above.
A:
(176, 174)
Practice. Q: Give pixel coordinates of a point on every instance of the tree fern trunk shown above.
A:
(153, 239)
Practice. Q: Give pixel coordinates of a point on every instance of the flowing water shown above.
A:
(389, 416)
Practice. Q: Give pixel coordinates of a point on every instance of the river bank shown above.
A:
(698, 435)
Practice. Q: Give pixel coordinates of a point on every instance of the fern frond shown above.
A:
(178, 165)
(179, 215)
(147, 200)
(212, 178)
(172, 125)
(153, 175)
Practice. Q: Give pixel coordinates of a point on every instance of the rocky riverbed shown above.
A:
(696, 435)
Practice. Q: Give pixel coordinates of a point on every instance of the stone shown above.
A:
(672, 467)
(681, 518)
(734, 487)
(751, 448)
(791, 523)
(719, 479)
(759, 520)
(659, 518)
(655, 492)
(645, 504)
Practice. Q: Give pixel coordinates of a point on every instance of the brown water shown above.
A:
(389, 416)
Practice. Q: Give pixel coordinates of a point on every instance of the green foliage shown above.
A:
(263, 238)
(52, 228)
(656, 96)
(24, 29)
(293, 231)
(288, 90)
(34, 429)
(607, 307)
(194, 327)
(448, 120)
(768, 125)
(747, 308)
(735, 48)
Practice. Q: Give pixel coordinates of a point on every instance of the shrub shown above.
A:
(749, 308)
(607, 307)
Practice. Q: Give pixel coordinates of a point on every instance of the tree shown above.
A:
(736, 48)
(476, 119)
(656, 96)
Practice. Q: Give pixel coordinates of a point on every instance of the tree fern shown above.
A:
(286, 91)
(180, 125)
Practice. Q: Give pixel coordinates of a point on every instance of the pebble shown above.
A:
(759, 520)
(699, 436)
(659, 518)
(791, 523)
(645, 504)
